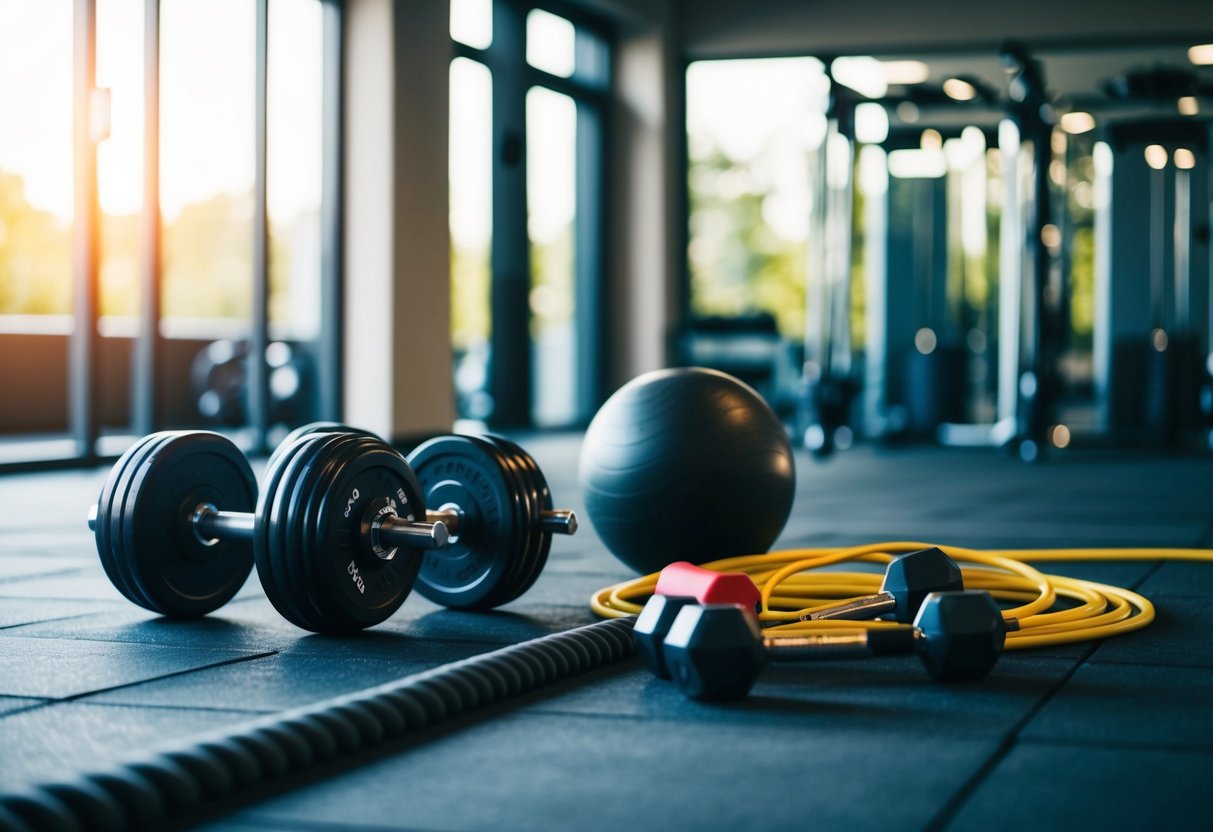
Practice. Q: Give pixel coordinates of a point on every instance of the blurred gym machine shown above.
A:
(829, 384)
(1033, 290)
(1154, 309)
(967, 349)
(933, 315)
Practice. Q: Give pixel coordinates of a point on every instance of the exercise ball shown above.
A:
(686, 464)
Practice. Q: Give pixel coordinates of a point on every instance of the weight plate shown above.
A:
(178, 573)
(520, 561)
(289, 537)
(313, 529)
(272, 569)
(109, 520)
(541, 499)
(367, 473)
(469, 473)
(124, 503)
(307, 430)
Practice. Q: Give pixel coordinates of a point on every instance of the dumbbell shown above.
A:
(334, 534)
(179, 525)
(908, 580)
(716, 651)
(496, 504)
(679, 584)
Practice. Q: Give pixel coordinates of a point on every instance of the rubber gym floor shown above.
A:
(1112, 735)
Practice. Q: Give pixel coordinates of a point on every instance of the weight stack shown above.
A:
(935, 390)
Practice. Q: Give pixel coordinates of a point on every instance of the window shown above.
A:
(206, 160)
(35, 159)
(120, 160)
(295, 160)
(551, 205)
(752, 127)
(36, 223)
(528, 91)
(471, 231)
(232, 244)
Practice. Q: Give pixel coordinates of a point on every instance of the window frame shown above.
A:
(84, 427)
(510, 266)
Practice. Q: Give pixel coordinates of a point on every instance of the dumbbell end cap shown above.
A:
(963, 634)
(714, 652)
(560, 521)
(652, 626)
(910, 578)
(92, 517)
(440, 534)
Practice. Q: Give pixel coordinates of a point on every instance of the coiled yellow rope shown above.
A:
(1032, 600)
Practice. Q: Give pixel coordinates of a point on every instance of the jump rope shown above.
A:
(1040, 609)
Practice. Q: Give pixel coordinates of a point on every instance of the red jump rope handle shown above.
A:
(707, 587)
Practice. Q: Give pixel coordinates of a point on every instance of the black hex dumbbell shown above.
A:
(908, 580)
(680, 584)
(715, 652)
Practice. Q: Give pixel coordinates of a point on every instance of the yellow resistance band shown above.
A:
(790, 588)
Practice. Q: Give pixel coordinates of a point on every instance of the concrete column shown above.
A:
(647, 234)
(397, 342)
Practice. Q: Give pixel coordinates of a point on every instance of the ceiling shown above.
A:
(1080, 44)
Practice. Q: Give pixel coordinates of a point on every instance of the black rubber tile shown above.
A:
(19, 612)
(11, 704)
(1130, 705)
(1063, 787)
(317, 670)
(52, 742)
(254, 624)
(582, 556)
(230, 628)
(995, 533)
(256, 824)
(85, 584)
(16, 567)
(568, 588)
(522, 620)
(1181, 578)
(419, 618)
(1179, 635)
(63, 668)
(519, 771)
(50, 542)
(1116, 573)
(878, 697)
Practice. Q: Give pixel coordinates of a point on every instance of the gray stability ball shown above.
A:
(686, 464)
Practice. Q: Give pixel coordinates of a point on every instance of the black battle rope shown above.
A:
(171, 783)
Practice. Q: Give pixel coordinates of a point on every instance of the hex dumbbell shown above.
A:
(680, 584)
(908, 580)
(715, 652)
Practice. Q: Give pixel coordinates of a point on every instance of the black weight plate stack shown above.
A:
(310, 552)
(308, 429)
(487, 564)
(109, 520)
(539, 496)
(519, 557)
(144, 536)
